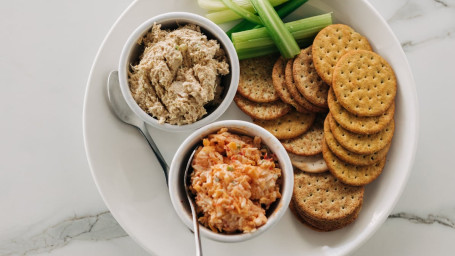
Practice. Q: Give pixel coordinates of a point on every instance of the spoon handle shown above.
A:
(197, 238)
(155, 149)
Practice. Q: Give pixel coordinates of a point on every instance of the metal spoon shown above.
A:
(186, 180)
(125, 114)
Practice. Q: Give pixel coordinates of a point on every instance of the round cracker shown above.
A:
(255, 81)
(296, 94)
(307, 80)
(355, 123)
(323, 225)
(309, 143)
(288, 126)
(330, 44)
(361, 143)
(301, 218)
(323, 197)
(312, 164)
(279, 83)
(353, 175)
(350, 157)
(364, 83)
(264, 111)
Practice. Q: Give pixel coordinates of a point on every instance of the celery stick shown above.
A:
(242, 12)
(307, 25)
(265, 50)
(257, 42)
(267, 40)
(246, 54)
(217, 5)
(276, 29)
(223, 16)
(282, 10)
(227, 15)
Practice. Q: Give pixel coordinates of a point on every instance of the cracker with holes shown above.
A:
(361, 143)
(279, 83)
(348, 156)
(351, 174)
(311, 164)
(310, 142)
(359, 124)
(307, 81)
(255, 81)
(322, 225)
(289, 77)
(264, 111)
(288, 126)
(330, 44)
(325, 203)
(364, 83)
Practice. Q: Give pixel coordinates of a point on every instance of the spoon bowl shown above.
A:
(124, 113)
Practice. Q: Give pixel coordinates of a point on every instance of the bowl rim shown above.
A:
(266, 138)
(184, 17)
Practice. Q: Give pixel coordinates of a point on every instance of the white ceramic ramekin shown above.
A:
(177, 169)
(131, 51)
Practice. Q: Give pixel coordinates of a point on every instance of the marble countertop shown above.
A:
(49, 202)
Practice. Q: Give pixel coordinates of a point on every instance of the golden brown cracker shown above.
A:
(351, 174)
(288, 126)
(255, 83)
(324, 225)
(264, 111)
(355, 123)
(307, 80)
(312, 164)
(296, 94)
(330, 44)
(323, 197)
(350, 157)
(309, 143)
(364, 83)
(279, 83)
(362, 143)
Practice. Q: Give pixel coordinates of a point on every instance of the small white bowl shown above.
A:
(131, 51)
(177, 169)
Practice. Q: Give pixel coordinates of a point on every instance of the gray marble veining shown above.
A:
(103, 226)
(430, 219)
(413, 21)
(94, 227)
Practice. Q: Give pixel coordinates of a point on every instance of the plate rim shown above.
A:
(359, 239)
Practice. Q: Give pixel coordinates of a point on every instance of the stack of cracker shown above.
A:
(359, 127)
(287, 98)
(357, 131)
(335, 154)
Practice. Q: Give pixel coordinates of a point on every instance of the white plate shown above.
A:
(132, 184)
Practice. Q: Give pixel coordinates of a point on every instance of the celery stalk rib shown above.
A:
(227, 15)
(217, 5)
(282, 10)
(283, 39)
(257, 42)
(265, 50)
(242, 12)
(293, 27)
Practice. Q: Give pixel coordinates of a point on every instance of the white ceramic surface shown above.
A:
(170, 19)
(134, 190)
(178, 196)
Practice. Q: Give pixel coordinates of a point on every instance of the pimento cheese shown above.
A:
(234, 181)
